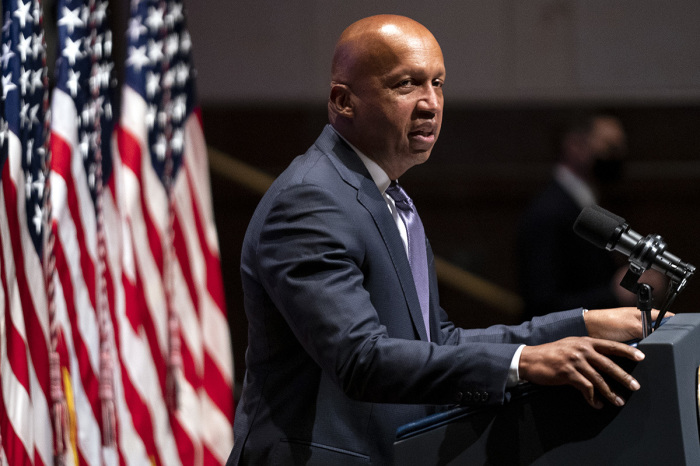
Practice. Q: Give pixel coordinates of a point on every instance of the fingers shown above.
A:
(613, 348)
(607, 366)
(583, 363)
(587, 385)
(593, 382)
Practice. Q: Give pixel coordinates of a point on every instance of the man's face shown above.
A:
(399, 104)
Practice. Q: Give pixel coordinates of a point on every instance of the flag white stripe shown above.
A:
(131, 445)
(155, 195)
(189, 414)
(67, 129)
(217, 434)
(217, 344)
(153, 286)
(18, 406)
(89, 438)
(198, 166)
(32, 266)
(38, 413)
(87, 320)
(136, 353)
(43, 433)
(190, 327)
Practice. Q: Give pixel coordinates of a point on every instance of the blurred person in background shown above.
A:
(556, 267)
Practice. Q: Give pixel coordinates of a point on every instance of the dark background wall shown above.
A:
(514, 70)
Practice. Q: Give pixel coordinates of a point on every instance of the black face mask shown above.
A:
(608, 170)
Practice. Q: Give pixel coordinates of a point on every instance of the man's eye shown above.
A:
(438, 83)
(405, 83)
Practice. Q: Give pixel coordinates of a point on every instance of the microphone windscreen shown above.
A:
(598, 225)
(607, 213)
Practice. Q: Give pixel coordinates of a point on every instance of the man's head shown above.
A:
(594, 147)
(609, 147)
(386, 90)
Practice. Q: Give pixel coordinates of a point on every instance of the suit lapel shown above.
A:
(353, 172)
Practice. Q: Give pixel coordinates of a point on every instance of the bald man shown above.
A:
(339, 351)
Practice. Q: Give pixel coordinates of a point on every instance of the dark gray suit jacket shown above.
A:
(337, 355)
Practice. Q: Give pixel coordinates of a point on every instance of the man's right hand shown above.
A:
(581, 362)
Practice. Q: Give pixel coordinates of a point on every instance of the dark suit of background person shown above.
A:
(338, 354)
(557, 268)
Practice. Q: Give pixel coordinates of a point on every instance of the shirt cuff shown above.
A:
(513, 372)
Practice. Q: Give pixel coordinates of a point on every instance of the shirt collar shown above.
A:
(575, 186)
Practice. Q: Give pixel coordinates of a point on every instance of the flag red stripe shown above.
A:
(16, 353)
(215, 284)
(185, 445)
(140, 415)
(208, 457)
(180, 248)
(15, 345)
(111, 295)
(11, 443)
(134, 304)
(37, 458)
(149, 330)
(131, 158)
(190, 371)
(218, 388)
(130, 150)
(189, 367)
(154, 239)
(81, 458)
(88, 377)
(36, 341)
(60, 164)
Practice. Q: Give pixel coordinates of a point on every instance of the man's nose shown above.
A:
(431, 101)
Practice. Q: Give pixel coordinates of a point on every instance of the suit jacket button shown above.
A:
(459, 396)
(468, 396)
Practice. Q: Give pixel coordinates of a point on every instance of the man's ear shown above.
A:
(340, 100)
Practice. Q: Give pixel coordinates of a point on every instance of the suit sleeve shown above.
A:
(310, 260)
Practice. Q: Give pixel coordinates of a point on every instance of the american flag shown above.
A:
(179, 360)
(84, 213)
(112, 319)
(25, 421)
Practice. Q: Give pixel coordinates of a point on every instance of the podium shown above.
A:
(555, 426)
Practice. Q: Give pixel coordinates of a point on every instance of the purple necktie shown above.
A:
(417, 256)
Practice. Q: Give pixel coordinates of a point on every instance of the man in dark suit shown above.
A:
(340, 353)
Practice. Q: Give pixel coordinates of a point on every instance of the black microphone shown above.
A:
(609, 231)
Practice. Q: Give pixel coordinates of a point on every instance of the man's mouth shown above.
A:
(422, 136)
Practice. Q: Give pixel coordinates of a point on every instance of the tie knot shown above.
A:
(396, 192)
